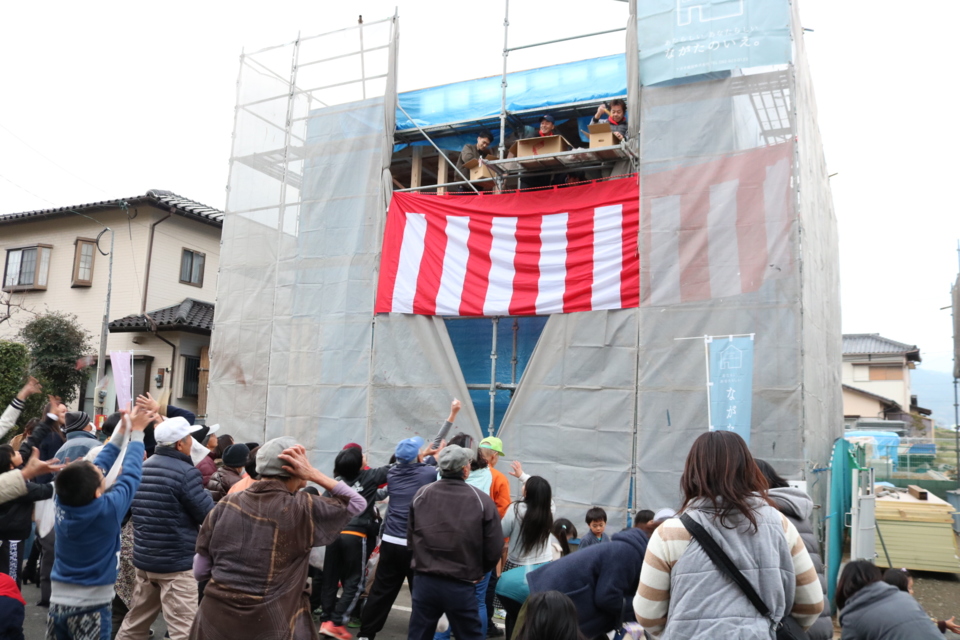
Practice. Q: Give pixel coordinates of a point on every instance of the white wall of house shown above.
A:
(856, 373)
(856, 404)
(129, 271)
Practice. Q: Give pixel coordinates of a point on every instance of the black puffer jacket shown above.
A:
(798, 507)
(168, 509)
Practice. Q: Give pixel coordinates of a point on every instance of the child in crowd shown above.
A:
(643, 520)
(12, 609)
(16, 516)
(88, 538)
(597, 521)
(563, 533)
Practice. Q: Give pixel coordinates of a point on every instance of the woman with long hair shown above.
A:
(550, 615)
(528, 524)
(682, 594)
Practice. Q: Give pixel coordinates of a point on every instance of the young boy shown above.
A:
(88, 538)
(597, 521)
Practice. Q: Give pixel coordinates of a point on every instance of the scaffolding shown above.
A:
(603, 404)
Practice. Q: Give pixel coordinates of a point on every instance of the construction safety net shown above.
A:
(737, 236)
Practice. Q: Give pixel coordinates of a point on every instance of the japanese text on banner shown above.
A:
(731, 383)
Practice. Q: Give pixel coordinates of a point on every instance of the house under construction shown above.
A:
(603, 404)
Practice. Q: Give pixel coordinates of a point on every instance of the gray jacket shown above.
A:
(706, 604)
(880, 611)
(797, 505)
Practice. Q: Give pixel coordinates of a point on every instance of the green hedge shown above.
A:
(14, 365)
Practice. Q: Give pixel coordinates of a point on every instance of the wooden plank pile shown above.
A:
(917, 528)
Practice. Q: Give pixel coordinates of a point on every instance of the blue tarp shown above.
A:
(581, 81)
(888, 442)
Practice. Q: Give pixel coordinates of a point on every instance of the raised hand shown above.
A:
(33, 386)
(516, 469)
(37, 467)
(140, 418)
(147, 402)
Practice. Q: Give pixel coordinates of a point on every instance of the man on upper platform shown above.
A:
(616, 118)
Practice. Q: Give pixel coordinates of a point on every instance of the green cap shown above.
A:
(496, 444)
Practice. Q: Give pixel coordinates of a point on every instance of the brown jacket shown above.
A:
(220, 482)
(454, 531)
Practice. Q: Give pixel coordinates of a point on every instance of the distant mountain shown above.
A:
(934, 391)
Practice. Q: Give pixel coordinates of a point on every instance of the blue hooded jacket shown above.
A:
(601, 580)
(88, 537)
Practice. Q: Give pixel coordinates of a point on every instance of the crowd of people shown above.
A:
(247, 540)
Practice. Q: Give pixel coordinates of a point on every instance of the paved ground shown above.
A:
(36, 622)
(938, 593)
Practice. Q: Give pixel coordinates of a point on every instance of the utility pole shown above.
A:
(102, 358)
(956, 397)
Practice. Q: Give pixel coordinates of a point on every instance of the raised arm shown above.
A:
(12, 412)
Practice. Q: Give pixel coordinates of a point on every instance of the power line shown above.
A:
(53, 162)
(25, 190)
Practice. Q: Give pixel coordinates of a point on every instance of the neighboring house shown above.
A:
(876, 385)
(165, 264)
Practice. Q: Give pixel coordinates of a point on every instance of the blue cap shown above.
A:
(408, 450)
(548, 118)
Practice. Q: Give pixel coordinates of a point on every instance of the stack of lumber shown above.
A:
(917, 528)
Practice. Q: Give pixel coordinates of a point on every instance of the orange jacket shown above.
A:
(500, 491)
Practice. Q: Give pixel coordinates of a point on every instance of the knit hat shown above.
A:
(236, 455)
(454, 458)
(353, 445)
(408, 450)
(75, 421)
(268, 457)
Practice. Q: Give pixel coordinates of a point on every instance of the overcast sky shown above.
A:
(103, 100)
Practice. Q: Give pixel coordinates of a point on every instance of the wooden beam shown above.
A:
(917, 492)
(441, 173)
(416, 172)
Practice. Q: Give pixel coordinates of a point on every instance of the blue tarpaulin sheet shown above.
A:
(581, 81)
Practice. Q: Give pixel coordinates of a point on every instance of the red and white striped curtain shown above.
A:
(523, 253)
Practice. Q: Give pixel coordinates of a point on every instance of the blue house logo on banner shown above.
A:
(680, 38)
(730, 387)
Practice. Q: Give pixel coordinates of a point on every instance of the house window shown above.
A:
(27, 268)
(191, 376)
(191, 267)
(894, 372)
(83, 262)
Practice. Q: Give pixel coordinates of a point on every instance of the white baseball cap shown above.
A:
(173, 430)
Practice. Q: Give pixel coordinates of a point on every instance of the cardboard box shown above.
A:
(539, 146)
(601, 135)
(478, 169)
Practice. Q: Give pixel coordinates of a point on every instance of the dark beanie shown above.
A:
(236, 455)
(75, 421)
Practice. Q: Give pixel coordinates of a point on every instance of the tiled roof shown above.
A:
(163, 199)
(874, 343)
(190, 316)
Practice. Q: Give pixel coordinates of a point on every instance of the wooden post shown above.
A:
(204, 376)
(416, 171)
(441, 173)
